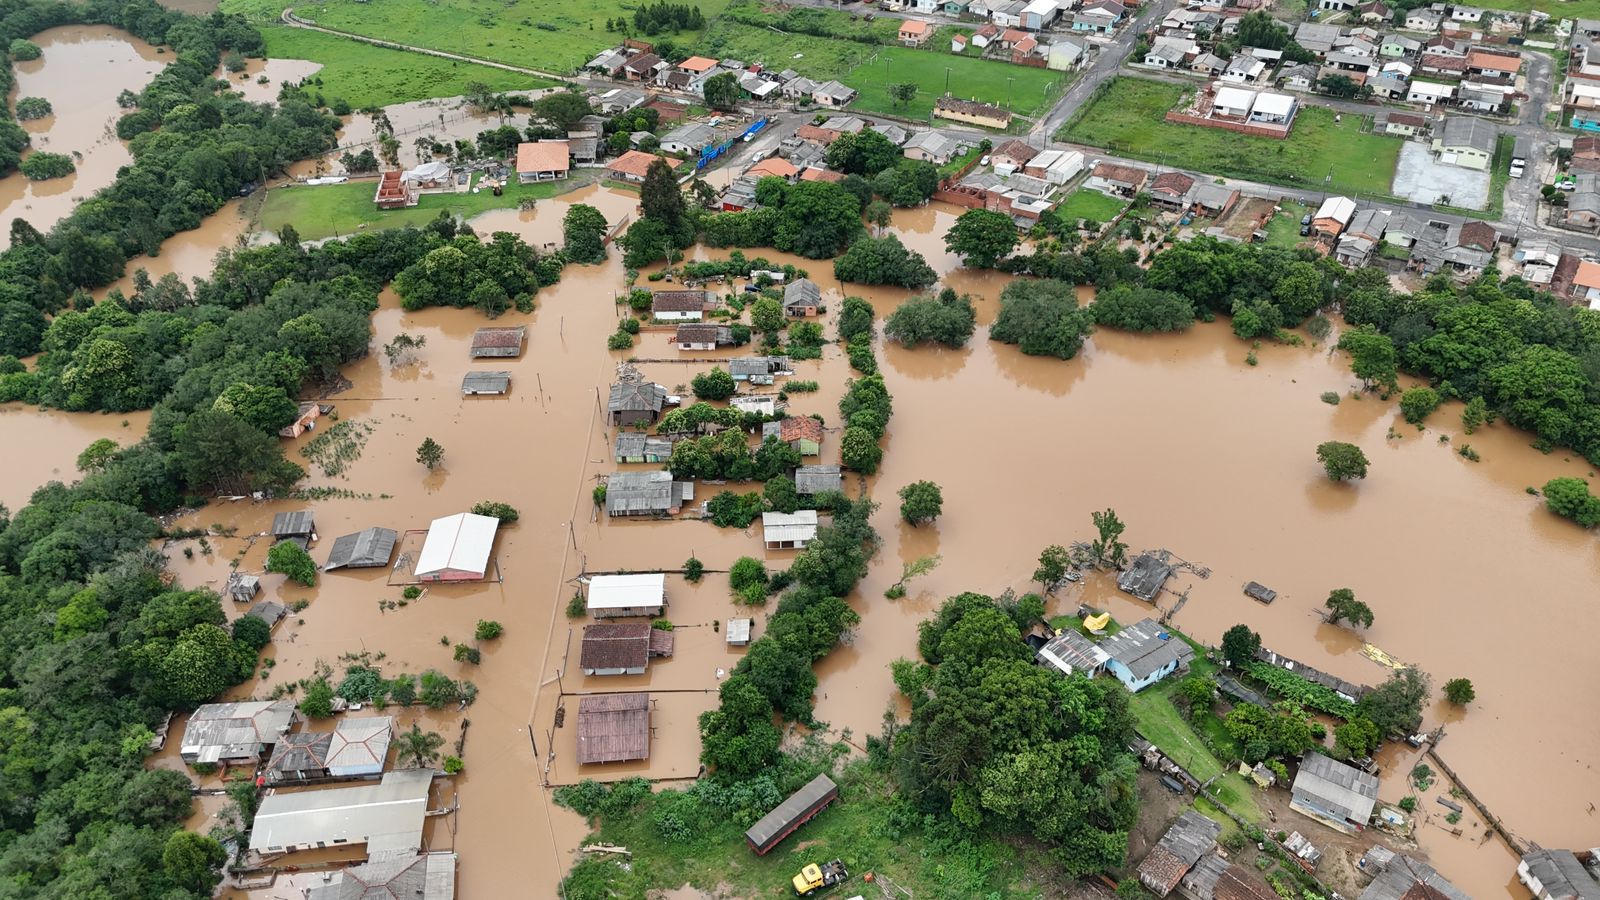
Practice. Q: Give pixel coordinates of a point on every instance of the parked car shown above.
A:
(1516, 171)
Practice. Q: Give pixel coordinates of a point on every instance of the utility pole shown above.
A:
(947, 81)
(1009, 79)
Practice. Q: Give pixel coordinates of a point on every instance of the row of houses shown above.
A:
(1024, 48)
(1460, 249)
(637, 61)
(1083, 16)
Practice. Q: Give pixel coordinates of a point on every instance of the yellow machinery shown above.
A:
(815, 877)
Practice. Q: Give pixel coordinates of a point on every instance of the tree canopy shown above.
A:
(883, 260)
(946, 318)
(982, 237)
(1042, 318)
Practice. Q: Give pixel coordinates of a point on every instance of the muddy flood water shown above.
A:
(1197, 451)
(81, 71)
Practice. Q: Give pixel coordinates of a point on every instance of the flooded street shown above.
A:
(1197, 451)
(82, 70)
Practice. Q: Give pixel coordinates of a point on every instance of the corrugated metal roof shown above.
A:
(286, 524)
(461, 542)
(360, 746)
(486, 383)
(364, 549)
(1335, 786)
(628, 492)
(387, 816)
(235, 730)
(777, 527)
(431, 876)
(636, 396)
(773, 823)
(1190, 837)
(613, 728)
(817, 479)
(1146, 647)
(624, 591)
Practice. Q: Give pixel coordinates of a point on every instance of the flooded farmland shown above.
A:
(1199, 452)
(81, 71)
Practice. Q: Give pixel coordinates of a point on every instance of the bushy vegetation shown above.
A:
(865, 408)
(1042, 318)
(29, 108)
(1570, 499)
(883, 260)
(947, 318)
(492, 277)
(41, 166)
(1141, 309)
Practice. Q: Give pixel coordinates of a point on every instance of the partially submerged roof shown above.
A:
(627, 591)
(458, 543)
(219, 731)
(1338, 788)
(616, 646)
(817, 479)
(1145, 647)
(486, 383)
(268, 611)
(777, 527)
(613, 728)
(678, 301)
(1145, 576)
(636, 396)
(387, 816)
(499, 341)
(628, 492)
(430, 876)
(287, 524)
(801, 292)
(1562, 875)
(364, 549)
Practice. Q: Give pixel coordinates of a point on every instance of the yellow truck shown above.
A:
(815, 877)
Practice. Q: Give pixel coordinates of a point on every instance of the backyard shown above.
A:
(1022, 89)
(1283, 229)
(364, 75)
(332, 210)
(1125, 117)
(549, 35)
(1090, 204)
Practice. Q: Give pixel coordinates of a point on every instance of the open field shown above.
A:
(365, 75)
(1126, 119)
(1560, 9)
(815, 57)
(1025, 90)
(550, 35)
(1089, 204)
(330, 210)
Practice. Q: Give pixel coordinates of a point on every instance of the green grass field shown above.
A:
(331, 210)
(1126, 119)
(1283, 229)
(1087, 204)
(366, 75)
(1028, 90)
(1560, 9)
(550, 35)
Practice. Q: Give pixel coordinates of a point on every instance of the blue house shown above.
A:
(1143, 653)
(1102, 16)
(955, 7)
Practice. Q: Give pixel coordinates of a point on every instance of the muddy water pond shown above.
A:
(81, 71)
(1198, 451)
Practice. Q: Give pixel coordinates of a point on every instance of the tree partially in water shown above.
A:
(1342, 461)
(1107, 547)
(921, 501)
(1344, 607)
(1053, 563)
(430, 454)
(1459, 691)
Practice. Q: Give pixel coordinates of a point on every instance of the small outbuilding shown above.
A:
(298, 524)
(305, 419)
(243, 588)
(235, 732)
(1333, 793)
(1259, 592)
(476, 383)
(1070, 652)
(366, 549)
(457, 548)
(1145, 576)
(621, 596)
(635, 401)
(631, 494)
(759, 369)
(622, 648)
(613, 728)
(498, 342)
(739, 632)
(789, 531)
(638, 447)
(812, 480)
(268, 611)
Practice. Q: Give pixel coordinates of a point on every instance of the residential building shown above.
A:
(931, 146)
(1581, 104)
(1337, 795)
(1066, 54)
(457, 548)
(702, 336)
(1071, 652)
(1215, 878)
(1232, 102)
(1099, 16)
(1479, 100)
(1375, 12)
(913, 32)
(1465, 141)
(1055, 166)
(426, 876)
(832, 94)
(1316, 38)
(1388, 86)
(1012, 155)
(802, 298)
(355, 748)
(1243, 69)
(738, 632)
(1213, 200)
(1191, 837)
(1429, 93)
(1362, 237)
(1273, 109)
(613, 728)
(680, 306)
(235, 732)
(1466, 14)
(617, 648)
(759, 369)
(631, 166)
(1586, 284)
(622, 596)
(387, 817)
(803, 433)
(893, 132)
(395, 192)
(1493, 64)
(800, 88)
(635, 494)
(1300, 78)
(643, 67)
(1583, 205)
(1399, 46)
(1407, 878)
(1171, 190)
(635, 401)
(1423, 19)
(1443, 66)
(1040, 14)
(1110, 178)
(1403, 124)
(689, 140)
(1330, 219)
(1165, 53)
(1560, 874)
(1143, 653)
(789, 531)
(638, 447)
(620, 100)
(365, 549)
(812, 480)
(297, 525)
(972, 112)
(1208, 64)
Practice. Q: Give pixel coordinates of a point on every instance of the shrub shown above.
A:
(716, 384)
(318, 701)
(1459, 691)
(747, 571)
(599, 495)
(921, 501)
(620, 340)
(862, 359)
(693, 569)
(577, 607)
(1330, 397)
(252, 631)
(1419, 403)
(506, 513)
(1142, 309)
(290, 559)
(855, 319)
(947, 319)
(801, 387)
(1342, 461)
(465, 653)
(488, 630)
(25, 50)
(41, 166)
(661, 624)
(1570, 499)
(453, 765)
(29, 108)
(411, 592)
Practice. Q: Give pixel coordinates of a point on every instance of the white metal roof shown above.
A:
(1234, 98)
(387, 816)
(623, 591)
(1273, 104)
(1041, 7)
(1340, 209)
(795, 526)
(459, 542)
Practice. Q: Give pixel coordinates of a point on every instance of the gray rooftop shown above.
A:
(645, 492)
(1467, 131)
(1146, 647)
(429, 876)
(486, 383)
(1411, 879)
(1190, 837)
(220, 731)
(636, 396)
(387, 816)
(290, 524)
(365, 549)
(1560, 872)
(802, 292)
(1146, 575)
(773, 823)
(1337, 787)
(268, 611)
(817, 479)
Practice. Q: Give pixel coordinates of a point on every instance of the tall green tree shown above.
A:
(1107, 547)
(1344, 607)
(1042, 318)
(921, 501)
(982, 238)
(722, 91)
(1239, 646)
(584, 234)
(661, 199)
(1342, 461)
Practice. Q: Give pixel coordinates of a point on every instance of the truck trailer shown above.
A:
(791, 814)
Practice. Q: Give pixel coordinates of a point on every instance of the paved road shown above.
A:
(1109, 58)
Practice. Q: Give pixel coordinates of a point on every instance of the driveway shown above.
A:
(1420, 177)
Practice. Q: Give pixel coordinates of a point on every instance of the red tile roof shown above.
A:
(543, 156)
(634, 162)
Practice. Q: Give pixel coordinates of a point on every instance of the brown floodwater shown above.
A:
(43, 445)
(82, 70)
(1198, 452)
(249, 84)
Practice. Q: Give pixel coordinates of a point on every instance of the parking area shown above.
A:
(1419, 176)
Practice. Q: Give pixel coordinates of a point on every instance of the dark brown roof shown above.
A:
(1162, 870)
(620, 646)
(662, 642)
(1172, 183)
(679, 301)
(613, 728)
(644, 62)
(1399, 118)
(1017, 150)
(1478, 234)
(971, 108)
(1120, 174)
(1586, 146)
(700, 333)
(499, 337)
(1237, 883)
(1444, 63)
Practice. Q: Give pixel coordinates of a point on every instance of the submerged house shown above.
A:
(1337, 795)
(621, 596)
(492, 383)
(1560, 874)
(812, 480)
(495, 343)
(298, 526)
(235, 732)
(1143, 653)
(457, 548)
(646, 494)
(802, 298)
(426, 876)
(1145, 576)
(635, 401)
(759, 369)
(803, 433)
(613, 728)
(622, 648)
(305, 419)
(638, 447)
(365, 549)
(355, 748)
(789, 531)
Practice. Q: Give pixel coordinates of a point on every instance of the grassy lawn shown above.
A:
(1560, 9)
(328, 210)
(1163, 725)
(366, 75)
(1029, 90)
(814, 57)
(1283, 229)
(957, 162)
(551, 35)
(1127, 120)
(856, 829)
(1090, 204)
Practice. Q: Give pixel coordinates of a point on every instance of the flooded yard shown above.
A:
(1197, 451)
